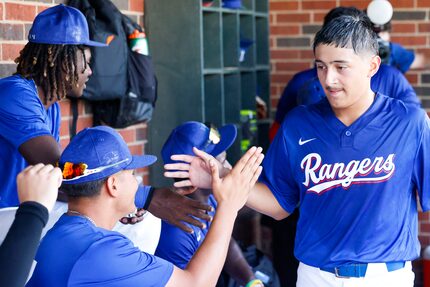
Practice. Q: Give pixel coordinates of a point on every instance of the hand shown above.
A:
(135, 218)
(39, 183)
(234, 188)
(177, 209)
(195, 170)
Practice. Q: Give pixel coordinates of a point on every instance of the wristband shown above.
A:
(149, 198)
(254, 282)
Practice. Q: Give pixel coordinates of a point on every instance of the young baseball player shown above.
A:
(82, 250)
(352, 163)
(179, 247)
(54, 63)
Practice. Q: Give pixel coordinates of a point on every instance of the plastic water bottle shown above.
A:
(138, 42)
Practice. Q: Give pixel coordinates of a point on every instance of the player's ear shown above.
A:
(375, 62)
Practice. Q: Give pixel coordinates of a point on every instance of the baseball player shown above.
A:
(352, 163)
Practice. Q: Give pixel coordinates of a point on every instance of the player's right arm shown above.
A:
(231, 193)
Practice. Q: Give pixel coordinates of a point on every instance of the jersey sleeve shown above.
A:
(277, 173)
(113, 261)
(177, 246)
(421, 171)
(400, 57)
(22, 116)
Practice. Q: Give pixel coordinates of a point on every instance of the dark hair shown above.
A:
(86, 189)
(52, 67)
(348, 32)
(344, 11)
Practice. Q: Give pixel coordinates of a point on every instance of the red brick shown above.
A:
(424, 216)
(129, 135)
(284, 5)
(20, 12)
(284, 54)
(425, 228)
(404, 28)
(402, 3)
(306, 54)
(11, 51)
(1, 11)
(136, 5)
(292, 66)
(424, 239)
(318, 5)
(281, 78)
(64, 142)
(141, 133)
(65, 108)
(423, 3)
(84, 122)
(12, 31)
(319, 17)
(423, 27)
(293, 17)
(412, 78)
(410, 40)
(136, 149)
(41, 8)
(360, 4)
(64, 128)
(285, 30)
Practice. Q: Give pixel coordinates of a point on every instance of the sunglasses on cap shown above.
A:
(72, 171)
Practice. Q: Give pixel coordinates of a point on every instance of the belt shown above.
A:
(359, 270)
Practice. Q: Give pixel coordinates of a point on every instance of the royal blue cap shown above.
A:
(101, 148)
(61, 25)
(195, 134)
(233, 4)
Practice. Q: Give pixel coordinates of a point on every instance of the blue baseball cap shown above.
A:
(233, 4)
(96, 153)
(195, 134)
(61, 25)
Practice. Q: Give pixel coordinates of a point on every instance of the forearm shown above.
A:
(236, 265)
(20, 245)
(261, 199)
(206, 264)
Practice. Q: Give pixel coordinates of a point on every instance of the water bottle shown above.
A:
(138, 42)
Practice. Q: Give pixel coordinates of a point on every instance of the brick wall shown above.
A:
(15, 21)
(293, 24)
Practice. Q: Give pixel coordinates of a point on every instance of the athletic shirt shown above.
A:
(355, 186)
(77, 253)
(400, 58)
(22, 117)
(305, 88)
(178, 246)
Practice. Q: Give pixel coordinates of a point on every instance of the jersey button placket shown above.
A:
(347, 138)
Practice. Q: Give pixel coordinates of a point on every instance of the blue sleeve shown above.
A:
(141, 195)
(113, 261)
(391, 82)
(177, 246)
(277, 174)
(22, 115)
(421, 171)
(401, 58)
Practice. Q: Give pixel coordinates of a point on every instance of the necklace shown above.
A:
(82, 215)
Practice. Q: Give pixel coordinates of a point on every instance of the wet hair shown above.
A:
(345, 11)
(86, 189)
(348, 31)
(52, 67)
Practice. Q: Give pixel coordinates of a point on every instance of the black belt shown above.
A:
(359, 270)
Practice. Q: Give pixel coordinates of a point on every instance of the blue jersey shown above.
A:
(305, 88)
(178, 246)
(355, 186)
(400, 58)
(77, 253)
(22, 117)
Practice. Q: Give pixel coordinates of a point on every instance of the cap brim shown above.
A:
(228, 134)
(96, 44)
(140, 161)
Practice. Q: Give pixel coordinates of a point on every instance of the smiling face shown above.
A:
(345, 76)
(84, 73)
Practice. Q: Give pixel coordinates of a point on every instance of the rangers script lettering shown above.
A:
(327, 176)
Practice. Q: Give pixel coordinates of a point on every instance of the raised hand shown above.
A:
(39, 183)
(233, 189)
(195, 170)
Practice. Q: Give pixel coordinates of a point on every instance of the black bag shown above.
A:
(123, 88)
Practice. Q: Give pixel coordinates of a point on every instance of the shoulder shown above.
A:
(302, 77)
(19, 95)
